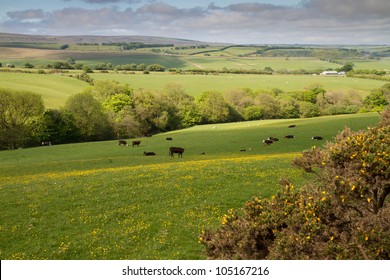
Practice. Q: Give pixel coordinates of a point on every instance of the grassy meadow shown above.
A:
(104, 201)
(195, 85)
(55, 89)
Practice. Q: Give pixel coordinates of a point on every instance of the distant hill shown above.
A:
(8, 38)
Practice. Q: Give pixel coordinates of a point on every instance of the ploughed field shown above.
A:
(105, 201)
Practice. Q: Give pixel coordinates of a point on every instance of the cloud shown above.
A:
(313, 21)
(26, 14)
(108, 1)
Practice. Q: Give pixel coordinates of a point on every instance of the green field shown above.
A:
(197, 84)
(211, 58)
(55, 89)
(104, 201)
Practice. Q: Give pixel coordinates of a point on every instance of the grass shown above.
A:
(103, 201)
(55, 89)
(195, 85)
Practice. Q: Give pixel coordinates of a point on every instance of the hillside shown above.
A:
(99, 200)
(8, 38)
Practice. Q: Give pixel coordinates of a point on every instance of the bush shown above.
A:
(342, 214)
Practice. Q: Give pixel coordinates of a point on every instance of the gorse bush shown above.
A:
(341, 214)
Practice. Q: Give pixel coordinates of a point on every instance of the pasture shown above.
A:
(195, 85)
(105, 201)
(55, 89)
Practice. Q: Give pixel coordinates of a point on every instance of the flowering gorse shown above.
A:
(342, 214)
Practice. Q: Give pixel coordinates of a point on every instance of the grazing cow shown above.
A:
(317, 138)
(169, 138)
(123, 143)
(243, 150)
(267, 142)
(149, 154)
(148, 135)
(46, 143)
(292, 126)
(135, 143)
(273, 139)
(176, 150)
(289, 136)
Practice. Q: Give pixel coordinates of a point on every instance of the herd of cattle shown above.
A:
(172, 150)
(271, 139)
(179, 151)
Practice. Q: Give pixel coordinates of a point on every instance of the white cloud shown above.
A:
(314, 21)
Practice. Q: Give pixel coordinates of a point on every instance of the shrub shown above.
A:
(341, 214)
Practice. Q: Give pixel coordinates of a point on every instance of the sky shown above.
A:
(225, 21)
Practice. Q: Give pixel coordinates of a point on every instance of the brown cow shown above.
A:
(135, 143)
(176, 150)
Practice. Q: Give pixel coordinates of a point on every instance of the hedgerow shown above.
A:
(342, 214)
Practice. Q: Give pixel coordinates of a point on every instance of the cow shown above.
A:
(289, 136)
(176, 150)
(123, 143)
(292, 126)
(273, 139)
(169, 138)
(267, 142)
(148, 135)
(317, 138)
(135, 143)
(149, 154)
(46, 143)
(243, 150)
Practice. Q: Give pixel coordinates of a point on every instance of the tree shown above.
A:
(341, 214)
(347, 67)
(376, 100)
(89, 116)
(270, 105)
(56, 126)
(212, 107)
(17, 110)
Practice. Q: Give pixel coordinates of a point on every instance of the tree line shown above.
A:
(109, 110)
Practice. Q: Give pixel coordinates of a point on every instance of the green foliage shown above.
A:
(378, 98)
(56, 126)
(347, 67)
(342, 214)
(17, 111)
(89, 116)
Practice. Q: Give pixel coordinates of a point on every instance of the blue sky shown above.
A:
(233, 21)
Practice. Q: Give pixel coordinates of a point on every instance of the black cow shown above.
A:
(169, 138)
(46, 143)
(317, 138)
(267, 142)
(135, 143)
(292, 126)
(149, 154)
(148, 135)
(289, 136)
(176, 150)
(273, 139)
(123, 143)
